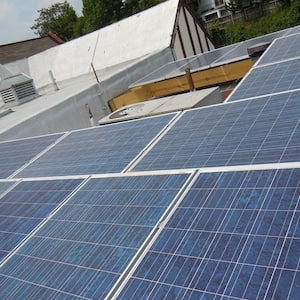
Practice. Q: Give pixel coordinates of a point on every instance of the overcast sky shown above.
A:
(17, 16)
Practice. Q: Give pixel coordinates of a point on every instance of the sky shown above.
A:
(17, 16)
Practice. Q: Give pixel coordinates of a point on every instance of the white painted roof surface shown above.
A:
(141, 34)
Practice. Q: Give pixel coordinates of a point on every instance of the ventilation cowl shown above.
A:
(16, 90)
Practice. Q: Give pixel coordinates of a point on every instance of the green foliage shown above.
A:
(217, 32)
(58, 18)
(78, 28)
(144, 4)
(100, 13)
(242, 30)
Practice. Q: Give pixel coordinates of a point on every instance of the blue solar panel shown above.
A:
(284, 48)
(4, 186)
(197, 62)
(234, 236)
(83, 249)
(257, 131)
(293, 30)
(105, 149)
(26, 206)
(14, 154)
(269, 79)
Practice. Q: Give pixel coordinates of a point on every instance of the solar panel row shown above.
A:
(270, 79)
(24, 207)
(234, 236)
(83, 249)
(14, 154)
(204, 60)
(283, 48)
(105, 149)
(259, 131)
(276, 71)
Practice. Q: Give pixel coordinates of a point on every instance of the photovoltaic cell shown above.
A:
(4, 186)
(269, 79)
(104, 149)
(26, 206)
(14, 154)
(259, 131)
(284, 48)
(234, 236)
(82, 250)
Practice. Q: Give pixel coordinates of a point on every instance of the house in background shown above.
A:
(24, 49)
(212, 9)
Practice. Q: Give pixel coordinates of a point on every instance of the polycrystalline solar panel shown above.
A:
(197, 62)
(234, 236)
(293, 30)
(264, 130)
(162, 72)
(4, 185)
(26, 206)
(14, 154)
(203, 60)
(89, 242)
(284, 48)
(178, 67)
(269, 79)
(104, 149)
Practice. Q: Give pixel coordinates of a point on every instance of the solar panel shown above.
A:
(5, 185)
(14, 154)
(162, 72)
(275, 78)
(197, 62)
(258, 131)
(24, 207)
(178, 67)
(293, 30)
(86, 245)
(234, 236)
(284, 48)
(104, 149)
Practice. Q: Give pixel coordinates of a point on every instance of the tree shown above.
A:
(99, 13)
(78, 27)
(144, 4)
(58, 18)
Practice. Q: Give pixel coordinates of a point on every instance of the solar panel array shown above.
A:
(232, 237)
(264, 130)
(282, 49)
(278, 70)
(106, 149)
(269, 80)
(206, 60)
(14, 154)
(24, 207)
(203, 204)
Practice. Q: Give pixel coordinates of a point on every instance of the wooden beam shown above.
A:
(201, 79)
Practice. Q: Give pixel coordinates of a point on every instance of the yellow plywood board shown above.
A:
(203, 78)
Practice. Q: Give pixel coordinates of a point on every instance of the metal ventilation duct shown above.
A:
(16, 90)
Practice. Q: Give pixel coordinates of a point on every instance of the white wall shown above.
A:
(139, 35)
